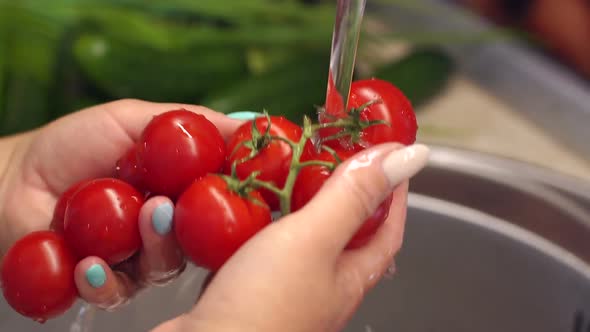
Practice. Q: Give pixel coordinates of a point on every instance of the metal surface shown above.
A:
(551, 205)
(464, 271)
(491, 245)
(347, 26)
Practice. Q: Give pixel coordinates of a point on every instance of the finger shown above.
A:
(355, 190)
(368, 264)
(205, 284)
(98, 284)
(160, 260)
(134, 115)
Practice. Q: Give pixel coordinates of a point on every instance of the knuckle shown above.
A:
(364, 194)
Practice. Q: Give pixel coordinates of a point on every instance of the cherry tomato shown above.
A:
(371, 225)
(391, 106)
(57, 222)
(175, 148)
(273, 159)
(102, 220)
(38, 276)
(312, 178)
(130, 170)
(212, 222)
(334, 101)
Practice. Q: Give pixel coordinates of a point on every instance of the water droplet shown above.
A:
(40, 320)
(391, 270)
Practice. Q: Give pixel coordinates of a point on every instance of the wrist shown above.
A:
(186, 323)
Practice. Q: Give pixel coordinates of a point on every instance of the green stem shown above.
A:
(283, 139)
(266, 185)
(344, 122)
(322, 163)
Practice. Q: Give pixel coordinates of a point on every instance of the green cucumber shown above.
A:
(124, 69)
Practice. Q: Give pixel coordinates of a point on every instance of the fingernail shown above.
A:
(402, 164)
(162, 218)
(96, 276)
(243, 115)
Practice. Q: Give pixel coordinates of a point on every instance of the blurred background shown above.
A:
(494, 83)
(497, 76)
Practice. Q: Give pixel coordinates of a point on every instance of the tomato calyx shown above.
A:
(258, 142)
(331, 166)
(242, 188)
(351, 125)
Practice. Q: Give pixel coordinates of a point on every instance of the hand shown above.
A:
(295, 274)
(43, 163)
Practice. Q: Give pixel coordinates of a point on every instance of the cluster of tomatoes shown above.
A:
(224, 191)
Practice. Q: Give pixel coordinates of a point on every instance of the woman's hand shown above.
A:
(295, 274)
(40, 165)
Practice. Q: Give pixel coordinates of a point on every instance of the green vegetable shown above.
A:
(25, 106)
(421, 75)
(291, 90)
(30, 37)
(126, 69)
(2, 73)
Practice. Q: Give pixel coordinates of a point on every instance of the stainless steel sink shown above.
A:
(464, 271)
(491, 245)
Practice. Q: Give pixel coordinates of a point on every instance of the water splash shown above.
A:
(84, 319)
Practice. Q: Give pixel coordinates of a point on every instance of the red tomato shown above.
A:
(273, 160)
(212, 222)
(57, 222)
(334, 101)
(38, 276)
(175, 148)
(130, 170)
(392, 106)
(312, 178)
(102, 220)
(371, 225)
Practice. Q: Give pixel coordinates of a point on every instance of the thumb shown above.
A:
(356, 189)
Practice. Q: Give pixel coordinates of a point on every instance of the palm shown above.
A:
(82, 145)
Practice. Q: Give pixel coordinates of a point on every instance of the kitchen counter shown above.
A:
(466, 116)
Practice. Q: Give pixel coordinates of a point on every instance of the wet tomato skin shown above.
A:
(176, 148)
(57, 222)
(102, 219)
(212, 222)
(130, 170)
(390, 105)
(38, 276)
(272, 161)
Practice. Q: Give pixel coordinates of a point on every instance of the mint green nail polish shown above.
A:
(244, 115)
(162, 218)
(96, 276)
